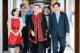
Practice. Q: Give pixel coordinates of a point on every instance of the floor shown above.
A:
(67, 50)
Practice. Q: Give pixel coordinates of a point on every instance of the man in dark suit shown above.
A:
(58, 27)
(46, 13)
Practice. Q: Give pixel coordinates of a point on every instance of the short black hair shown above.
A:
(22, 5)
(55, 4)
(13, 10)
(47, 7)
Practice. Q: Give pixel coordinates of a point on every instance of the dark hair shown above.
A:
(13, 10)
(47, 7)
(22, 5)
(55, 4)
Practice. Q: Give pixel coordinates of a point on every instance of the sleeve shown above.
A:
(50, 24)
(67, 24)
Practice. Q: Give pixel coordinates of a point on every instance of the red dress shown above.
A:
(13, 39)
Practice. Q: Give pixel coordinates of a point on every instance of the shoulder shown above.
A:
(52, 13)
(63, 13)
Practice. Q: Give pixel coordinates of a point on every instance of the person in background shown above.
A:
(30, 9)
(58, 27)
(15, 25)
(47, 13)
(23, 14)
(37, 26)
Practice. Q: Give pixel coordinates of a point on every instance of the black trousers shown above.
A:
(25, 44)
(37, 48)
(61, 40)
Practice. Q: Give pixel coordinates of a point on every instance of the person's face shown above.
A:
(36, 9)
(56, 8)
(16, 13)
(23, 9)
(46, 10)
(31, 6)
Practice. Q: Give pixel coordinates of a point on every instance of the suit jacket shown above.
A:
(61, 27)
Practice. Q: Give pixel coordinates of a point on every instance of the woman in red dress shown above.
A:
(15, 25)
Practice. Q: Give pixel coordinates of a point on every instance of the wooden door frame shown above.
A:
(77, 26)
(5, 30)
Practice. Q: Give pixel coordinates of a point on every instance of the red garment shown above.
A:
(14, 40)
(37, 28)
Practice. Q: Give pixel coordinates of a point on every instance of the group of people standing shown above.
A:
(33, 32)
